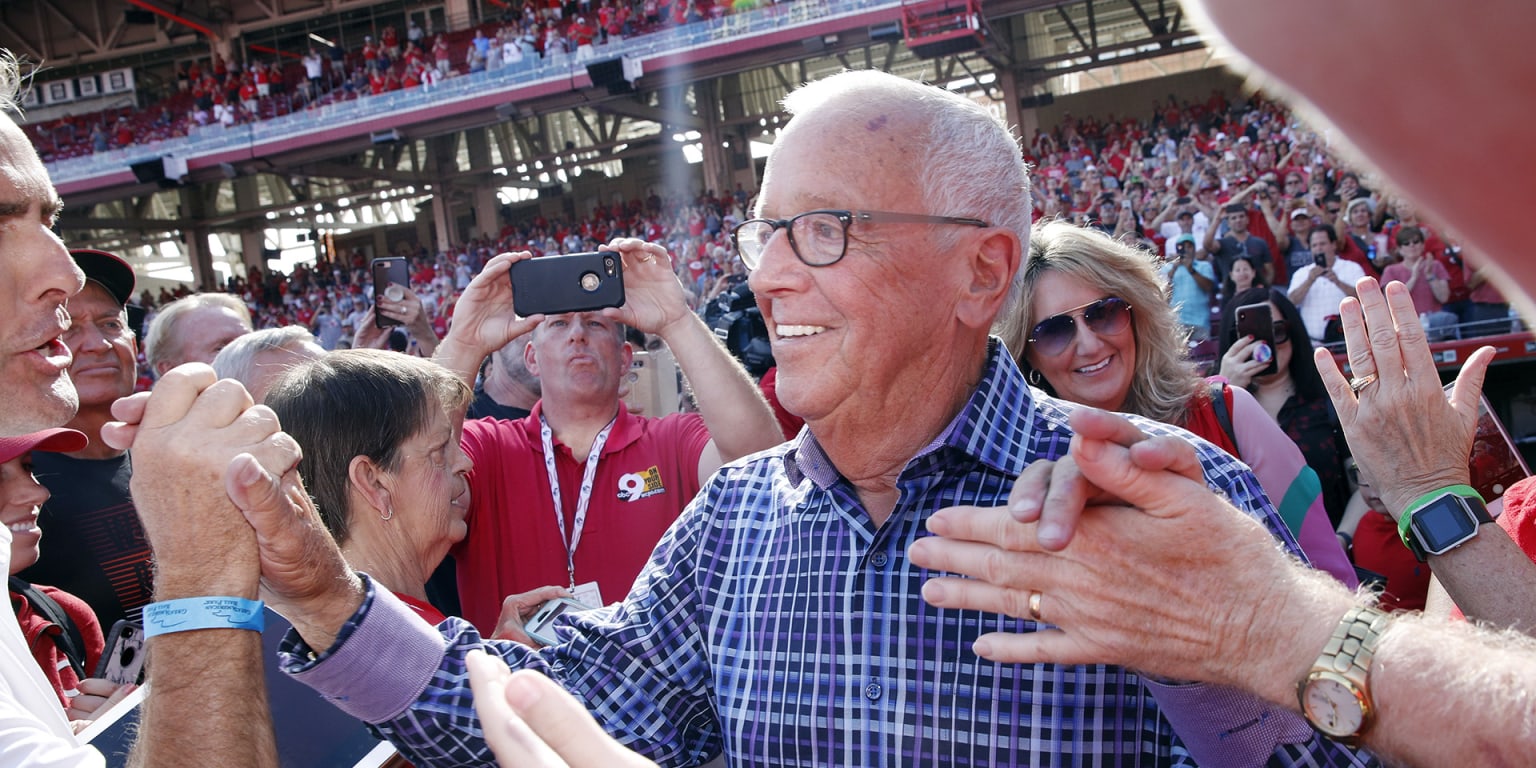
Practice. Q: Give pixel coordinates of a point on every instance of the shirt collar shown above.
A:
(987, 430)
(626, 429)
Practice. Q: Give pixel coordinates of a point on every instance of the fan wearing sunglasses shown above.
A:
(1294, 395)
(1095, 327)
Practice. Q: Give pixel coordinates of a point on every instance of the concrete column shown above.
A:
(195, 240)
(487, 210)
(442, 219)
(458, 14)
(716, 171)
(252, 238)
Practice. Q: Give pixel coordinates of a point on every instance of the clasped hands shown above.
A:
(1120, 549)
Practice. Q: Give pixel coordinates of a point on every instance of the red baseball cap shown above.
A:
(56, 440)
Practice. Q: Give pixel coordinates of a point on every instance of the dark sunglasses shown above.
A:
(1105, 317)
(1282, 331)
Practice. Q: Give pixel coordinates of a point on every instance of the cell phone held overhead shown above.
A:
(390, 279)
(575, 282)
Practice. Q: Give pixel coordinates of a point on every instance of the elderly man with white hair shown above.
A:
(258, 358)
(780, 621)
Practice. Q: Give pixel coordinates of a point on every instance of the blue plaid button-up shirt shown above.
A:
(776, 623)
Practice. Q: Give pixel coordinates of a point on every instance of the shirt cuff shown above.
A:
(1223, 726)
(381, 662)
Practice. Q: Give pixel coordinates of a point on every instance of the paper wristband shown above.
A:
(1413, 506)
(191, 613)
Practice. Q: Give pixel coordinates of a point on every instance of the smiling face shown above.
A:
(21, 496)
(105, 365)
(37, 277)
(849, 336)
(1242, 274)
(1093, 369)
(426, 486)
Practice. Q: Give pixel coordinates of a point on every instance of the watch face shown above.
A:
(1333, 707)
(1443, 524)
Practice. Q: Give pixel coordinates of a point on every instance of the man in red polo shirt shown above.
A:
(578, 493)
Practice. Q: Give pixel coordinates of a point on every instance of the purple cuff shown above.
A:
(1223, 726)
(382, 666)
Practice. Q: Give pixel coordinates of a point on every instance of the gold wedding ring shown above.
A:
(1034, 605)
(1361, 382)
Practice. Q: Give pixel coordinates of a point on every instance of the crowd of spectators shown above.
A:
(1248, 178)
(1210, 170)
(216, 91)
(332, 296)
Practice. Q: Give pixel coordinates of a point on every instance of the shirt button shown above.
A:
(873, 691)
(878, 559)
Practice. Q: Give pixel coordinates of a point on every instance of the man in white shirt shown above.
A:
(1317, 290)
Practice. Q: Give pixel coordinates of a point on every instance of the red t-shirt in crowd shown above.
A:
(1379, 548)
(647, 473)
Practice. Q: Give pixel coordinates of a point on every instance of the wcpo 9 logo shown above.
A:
(634, 486)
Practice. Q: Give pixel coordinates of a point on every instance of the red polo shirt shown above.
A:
(647, 473)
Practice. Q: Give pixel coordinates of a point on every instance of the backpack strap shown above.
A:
(1223, 413)
(69, 641)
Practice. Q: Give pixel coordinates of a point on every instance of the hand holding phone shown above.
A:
(123, 661)
(540, 627)
(576, 282)
(1255, 320)
(390, 279)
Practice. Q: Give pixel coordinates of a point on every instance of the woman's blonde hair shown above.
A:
(1163, 380)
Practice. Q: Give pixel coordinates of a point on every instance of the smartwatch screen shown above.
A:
(1443, 524)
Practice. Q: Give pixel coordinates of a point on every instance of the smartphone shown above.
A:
(574, 282)
(124, 660)
(390, 270)
(1495, 462)
(1255, 320)
(540, 626)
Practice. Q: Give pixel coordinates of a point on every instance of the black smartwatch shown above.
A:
(1442, 520)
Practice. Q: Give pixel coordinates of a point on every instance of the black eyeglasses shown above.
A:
(1282, 331)
(820, 238)
(1107, 316)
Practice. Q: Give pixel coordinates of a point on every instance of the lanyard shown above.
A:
(582, 499)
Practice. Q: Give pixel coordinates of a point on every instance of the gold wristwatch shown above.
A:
(1336, 695)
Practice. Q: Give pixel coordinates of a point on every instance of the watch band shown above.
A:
(1479, 511)
(1348, 655)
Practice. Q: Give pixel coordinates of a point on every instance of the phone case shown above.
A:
(538, 627)
(124, 660)
(1255, 320)
(576, 282)
(390, 269)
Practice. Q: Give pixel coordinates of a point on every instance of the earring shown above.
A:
(387, 515)
(1034, 377)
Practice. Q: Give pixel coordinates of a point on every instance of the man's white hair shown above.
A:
(966, 163)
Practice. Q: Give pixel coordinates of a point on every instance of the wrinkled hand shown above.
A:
(484, 319)
(1053, 493)
(183, 435)
(1238, 365)
(517, 609)
(1403, 431)
(303, 575)
(1181, 585)
(654, 299)
(530, 721)
(96, 697)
